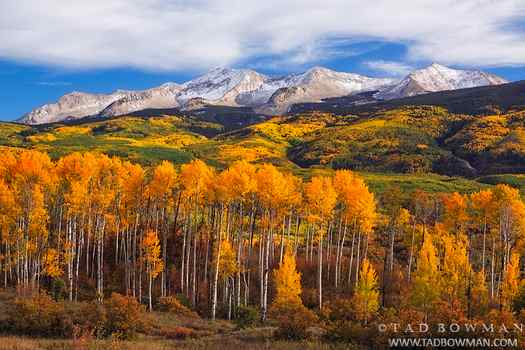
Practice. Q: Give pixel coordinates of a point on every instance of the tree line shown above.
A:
(88, 225)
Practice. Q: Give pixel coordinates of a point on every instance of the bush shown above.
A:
(173, 305)
(38, 315)
(86, 319)
(292, 319)
(125, 316)
(57, 288)
(247, 316)
(177, 332)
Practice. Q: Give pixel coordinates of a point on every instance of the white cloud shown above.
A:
(390, 67)
(185, 34)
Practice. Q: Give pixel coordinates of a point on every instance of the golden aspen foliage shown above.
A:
(287, 281)
(482, 203)
(320, 197)
(151, 253)
(163, 181)
(455, 266)
(132, 185)
(197, 179)
(227, 260)
(425, 289)
(455, 214)
(236, 183)
(357, 201)
(480, 293)
(510, 215)
(365, 300)
(51, 263)
(511, 282)
(7, 209)
(272, 187)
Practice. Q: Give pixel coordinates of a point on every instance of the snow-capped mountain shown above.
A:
(73, 105)
(164, 96)
(244, 87)
(316, 84)
(438, 78)
(222, 85)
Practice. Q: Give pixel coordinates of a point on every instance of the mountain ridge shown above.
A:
(248, 88)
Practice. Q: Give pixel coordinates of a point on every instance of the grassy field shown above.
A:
(213, 343)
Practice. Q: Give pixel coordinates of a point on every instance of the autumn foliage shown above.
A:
(249, 241)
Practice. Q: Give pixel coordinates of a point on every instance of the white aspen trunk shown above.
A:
(320, 270)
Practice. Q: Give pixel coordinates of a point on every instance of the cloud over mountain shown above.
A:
(182, 34)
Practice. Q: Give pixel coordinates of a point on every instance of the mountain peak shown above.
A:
(438, 66)
(437, 77)
(246, 87)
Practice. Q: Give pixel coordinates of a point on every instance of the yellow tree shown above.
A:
(425, 288)
(227, 269)
(161, 188)
(287, 282)
(151, 256)
(366, 296)
(236, 188)
(511, 282)
(276, 193)
(75, 172)
(483, 208)
(51, 263)
(8, 219)
(455, 212)
(33, 181)
(287, 308)
(456, 269)
(479, 295)
(320, 198)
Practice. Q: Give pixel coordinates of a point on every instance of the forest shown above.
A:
(93, 246)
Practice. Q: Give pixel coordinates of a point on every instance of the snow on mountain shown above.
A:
(72, 106)
(316, 84)
(222, 85)
(164, 96)
(244, 87)
(438, 78)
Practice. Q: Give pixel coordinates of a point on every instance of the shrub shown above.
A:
(86, 319)
(173, 305)
(247, 316)
(292, 319)
(177, 332)
(57, 288)
(125, 316)
(351, 331)
(37, 315)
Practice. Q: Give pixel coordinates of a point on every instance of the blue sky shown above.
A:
(99, 46)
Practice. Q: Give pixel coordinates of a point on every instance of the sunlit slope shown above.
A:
(145, 140)
(405, 147)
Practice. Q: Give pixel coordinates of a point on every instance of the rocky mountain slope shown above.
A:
(438, 78)
(248, 88)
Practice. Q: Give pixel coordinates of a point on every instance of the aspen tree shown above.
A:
(366, 295)
(152, 258)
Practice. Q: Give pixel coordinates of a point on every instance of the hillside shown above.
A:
(414, 141)
(475, 101)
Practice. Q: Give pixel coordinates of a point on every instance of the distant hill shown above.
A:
(474, 101)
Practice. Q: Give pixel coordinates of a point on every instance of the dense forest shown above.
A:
(254, 244)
